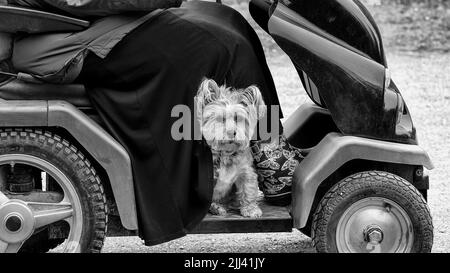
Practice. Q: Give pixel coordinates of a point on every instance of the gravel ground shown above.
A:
(424, 80)
(217, 243)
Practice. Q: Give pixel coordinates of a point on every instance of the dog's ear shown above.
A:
(207, 92)
(252, 96)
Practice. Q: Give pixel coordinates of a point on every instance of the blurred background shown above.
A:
(418, 25)
(416, 36)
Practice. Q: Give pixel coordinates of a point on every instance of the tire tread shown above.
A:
(364, 180)
(86, 173)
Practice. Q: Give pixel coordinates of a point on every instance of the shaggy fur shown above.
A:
(228, 119)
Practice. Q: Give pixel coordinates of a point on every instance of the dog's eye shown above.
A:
(239, 119)
(244, 104)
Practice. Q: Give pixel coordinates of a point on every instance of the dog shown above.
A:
(228, 119)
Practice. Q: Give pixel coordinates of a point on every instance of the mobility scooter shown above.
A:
(362, 187)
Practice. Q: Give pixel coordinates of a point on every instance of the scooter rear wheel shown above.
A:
(73, 203)
(372, 212)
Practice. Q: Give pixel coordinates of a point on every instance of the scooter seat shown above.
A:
(20, 19)
(19, 90)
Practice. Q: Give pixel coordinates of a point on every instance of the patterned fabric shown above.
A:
(275, 163)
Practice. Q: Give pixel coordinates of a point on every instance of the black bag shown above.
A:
(275, 163)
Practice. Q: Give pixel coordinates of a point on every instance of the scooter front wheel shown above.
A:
(372, 212)
(49, 195)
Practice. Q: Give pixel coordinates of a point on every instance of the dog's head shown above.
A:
(228, 117)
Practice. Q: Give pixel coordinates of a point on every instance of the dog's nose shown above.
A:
(231, 133)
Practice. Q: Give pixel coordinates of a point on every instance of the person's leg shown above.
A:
(157, 66)
(5, 46)
(247, 64)
(5, 55)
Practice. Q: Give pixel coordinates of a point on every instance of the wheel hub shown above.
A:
(16, 222)
(374, 224)
(373, 234)
(22, 214)
(13, 223)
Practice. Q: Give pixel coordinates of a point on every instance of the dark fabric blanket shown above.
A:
(157, 66)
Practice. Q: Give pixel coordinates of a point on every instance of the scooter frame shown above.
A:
(331, 152)
(327, 157)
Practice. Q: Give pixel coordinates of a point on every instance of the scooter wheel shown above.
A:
(66, 203)
(372, 211)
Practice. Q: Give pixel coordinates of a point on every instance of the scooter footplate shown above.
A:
(274, 219)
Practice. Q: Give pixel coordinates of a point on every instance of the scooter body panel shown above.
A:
(344, 22)
(100, 145)
(337, 50)
(332, 152)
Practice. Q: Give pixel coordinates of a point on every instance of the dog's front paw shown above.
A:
(251, 211)
(217, 209)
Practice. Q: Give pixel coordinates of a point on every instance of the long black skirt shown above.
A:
(157, 66)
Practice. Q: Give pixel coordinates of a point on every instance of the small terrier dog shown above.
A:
(228, 119)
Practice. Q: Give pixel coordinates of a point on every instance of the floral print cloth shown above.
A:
(275, 163)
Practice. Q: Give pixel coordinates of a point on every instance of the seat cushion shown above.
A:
(19, 90)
